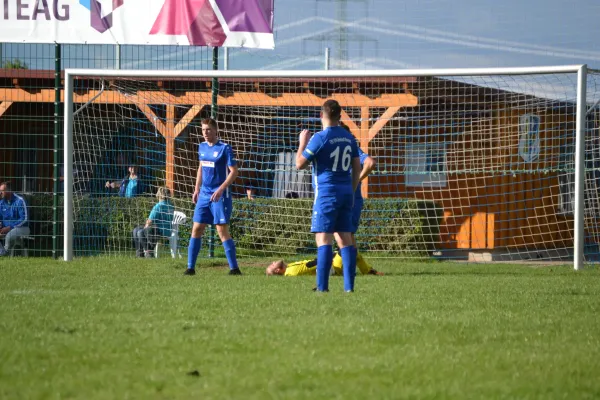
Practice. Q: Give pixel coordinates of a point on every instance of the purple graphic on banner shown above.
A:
(207, 26)
(101, 12)
(247, 15)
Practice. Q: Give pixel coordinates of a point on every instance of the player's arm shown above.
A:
(198, 183)
(356, 170)
(21, 215)
(153, 215)
(113, 185)
(301, 160)
(233, 174)
(367, 167)
(356, 167)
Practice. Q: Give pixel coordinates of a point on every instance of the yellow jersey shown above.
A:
(309, 267)
(298, 268)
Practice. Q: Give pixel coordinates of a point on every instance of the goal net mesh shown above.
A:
(475, 168)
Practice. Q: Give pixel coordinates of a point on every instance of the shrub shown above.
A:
(263, 226)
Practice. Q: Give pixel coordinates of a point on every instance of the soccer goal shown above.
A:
(499, 164)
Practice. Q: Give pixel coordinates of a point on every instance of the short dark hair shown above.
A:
(332, 110)
(6, 184)
(292, 195)
(210, 122)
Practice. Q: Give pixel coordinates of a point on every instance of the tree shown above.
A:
(14, 64)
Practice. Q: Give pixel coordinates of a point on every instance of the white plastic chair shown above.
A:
(179, 218)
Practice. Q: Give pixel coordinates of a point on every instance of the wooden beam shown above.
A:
(382, 121)
(4, 106)
(237, 99)
(170, 147)
(365, 115)
(346, 119)
(187, 118)
(364, 140)
(154, 120)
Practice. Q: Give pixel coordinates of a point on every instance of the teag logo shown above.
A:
(101, 12)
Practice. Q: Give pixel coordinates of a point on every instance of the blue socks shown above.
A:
(193, 250)
(229, 246)
(196, 244)
(349, 266)
(324, 260)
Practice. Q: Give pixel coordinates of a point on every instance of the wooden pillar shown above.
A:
(170, 131)
(364, 140)
(366, 133)
(169, 135)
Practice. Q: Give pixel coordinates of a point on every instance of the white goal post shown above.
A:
(580, 105)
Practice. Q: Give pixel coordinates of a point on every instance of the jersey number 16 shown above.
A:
(346, 158)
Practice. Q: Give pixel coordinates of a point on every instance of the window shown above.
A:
(425, 165)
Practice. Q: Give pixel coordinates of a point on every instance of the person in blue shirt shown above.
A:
(14, 219)
(212, 196)
(368, 164)
(336, 172)
(130, 186)
(157, 225)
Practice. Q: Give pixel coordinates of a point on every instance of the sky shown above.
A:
(380, 34)
(430, 34)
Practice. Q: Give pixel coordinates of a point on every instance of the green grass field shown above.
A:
(125, 328)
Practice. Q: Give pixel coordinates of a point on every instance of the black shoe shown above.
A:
(190, 271)
(235, 271)
(320, 291)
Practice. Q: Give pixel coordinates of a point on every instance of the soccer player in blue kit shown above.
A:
(216, 172)
(336, 173)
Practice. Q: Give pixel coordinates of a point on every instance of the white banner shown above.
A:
(226, 23)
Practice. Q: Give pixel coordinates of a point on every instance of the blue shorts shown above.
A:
(214, 213)
(356, 211)
(332, 213)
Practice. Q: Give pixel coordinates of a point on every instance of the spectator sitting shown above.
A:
(292, 195)
(251, 190)
(130, 186)
(157, 225)
(14, 223)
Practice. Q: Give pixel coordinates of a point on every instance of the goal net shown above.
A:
(470, 165)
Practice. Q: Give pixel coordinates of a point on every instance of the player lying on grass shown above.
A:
(309, 267)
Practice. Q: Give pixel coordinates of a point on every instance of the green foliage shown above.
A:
(261, 226)
(15, 63)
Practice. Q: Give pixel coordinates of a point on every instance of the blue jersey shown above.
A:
(215, 161)
(331, 152)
